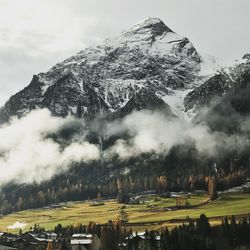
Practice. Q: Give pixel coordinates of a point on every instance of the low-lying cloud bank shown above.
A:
(155, 132)
(27, 154)
(32, 148)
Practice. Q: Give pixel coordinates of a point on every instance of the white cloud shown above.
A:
(26, 155)
(153, 132)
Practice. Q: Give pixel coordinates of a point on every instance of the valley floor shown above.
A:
(153, 213)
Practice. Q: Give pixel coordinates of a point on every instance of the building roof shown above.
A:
(52, 234)
(81, 242)
(82, 236)
(142, 236)
(42, 239)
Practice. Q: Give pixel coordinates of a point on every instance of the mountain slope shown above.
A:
(103, 78)
(211, 92)
(231, 113)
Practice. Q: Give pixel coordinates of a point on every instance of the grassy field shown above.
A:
(140, 216)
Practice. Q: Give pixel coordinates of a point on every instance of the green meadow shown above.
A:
(152, 213)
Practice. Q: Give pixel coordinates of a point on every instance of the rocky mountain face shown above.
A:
(226, 82)
(110, 76)
(147, 65)
(228, 108)
(214, 87)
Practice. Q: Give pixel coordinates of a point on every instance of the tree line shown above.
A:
(183, 169)
(195, 234)
(16, 198)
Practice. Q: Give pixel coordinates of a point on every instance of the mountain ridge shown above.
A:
(106, 76)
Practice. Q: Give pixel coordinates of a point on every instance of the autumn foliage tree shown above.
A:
(212, 193)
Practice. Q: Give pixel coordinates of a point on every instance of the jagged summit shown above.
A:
(151, 35)
(156, 25)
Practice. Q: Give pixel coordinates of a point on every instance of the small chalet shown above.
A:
(85, 242)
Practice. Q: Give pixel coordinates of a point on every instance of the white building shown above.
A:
(85, 242)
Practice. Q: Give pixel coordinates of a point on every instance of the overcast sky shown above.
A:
(36, 34)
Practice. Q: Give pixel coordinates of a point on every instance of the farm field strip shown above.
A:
(139, 215)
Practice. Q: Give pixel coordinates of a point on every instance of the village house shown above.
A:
(28, 240)
(141, 241)
(85, 242)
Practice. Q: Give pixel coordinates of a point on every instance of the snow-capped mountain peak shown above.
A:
(106, 76)
(155, 25)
